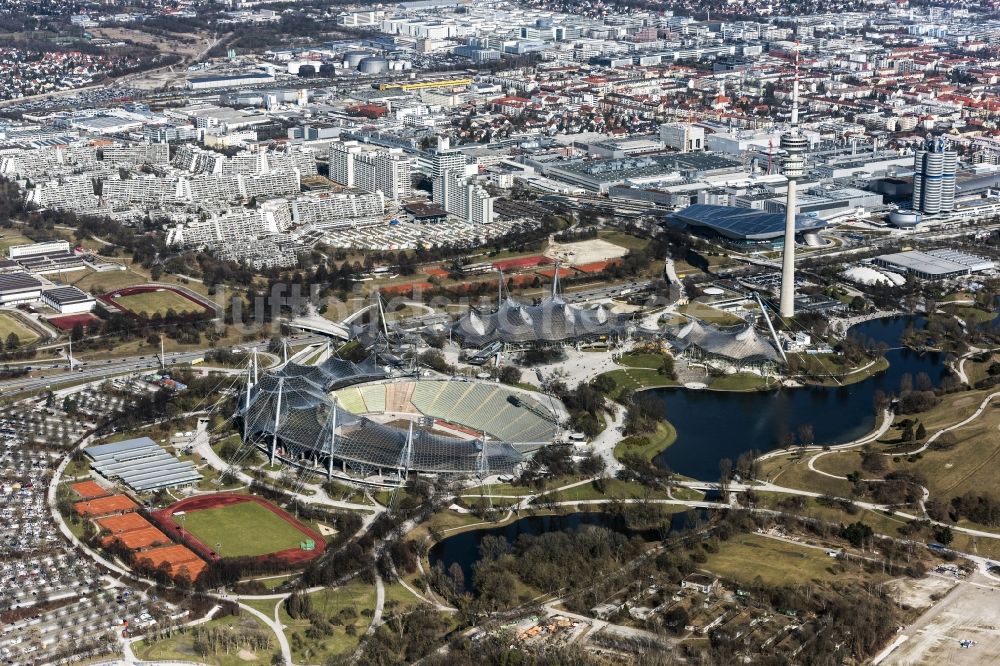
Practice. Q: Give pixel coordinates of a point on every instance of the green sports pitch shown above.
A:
(152, 302)
(246, 529)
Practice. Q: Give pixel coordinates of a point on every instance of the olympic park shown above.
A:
(369, 423)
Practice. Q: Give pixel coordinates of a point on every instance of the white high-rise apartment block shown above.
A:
(463, 198)
(445, 159)
(373, 170)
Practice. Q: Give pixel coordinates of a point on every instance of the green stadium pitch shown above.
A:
(246, 529)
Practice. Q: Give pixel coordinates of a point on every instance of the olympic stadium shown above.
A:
(354, 420)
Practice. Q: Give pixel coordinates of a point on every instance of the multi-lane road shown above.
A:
(96, 370)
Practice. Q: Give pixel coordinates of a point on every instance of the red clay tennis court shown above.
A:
(175, 556)
(597, 266)
(67, 322)
(104, 506)
(436, 271)
(141, 538)
(550, 272)
(88, 490)
(521, 262)
(127, 522)
(407, 289)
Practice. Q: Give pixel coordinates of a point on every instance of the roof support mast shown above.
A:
(277, 421)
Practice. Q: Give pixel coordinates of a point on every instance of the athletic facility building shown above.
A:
(551, 322)
(743, 348)
(142, 465)
(935, 264)
(747, 228)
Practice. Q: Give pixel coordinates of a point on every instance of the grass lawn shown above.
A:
(830, 369)
(709, 314)
(9, 238)
(10, 323)
(648, 446)
(979, 370)
(841, 463)
(345, 604)
(952, 409)
(627, 241)
(399, 599)
(794, 472)
(272, 583)
(740, 382)
(634, 379)
(444, 521)
(970, 465)
(745, 557)
(973, 315)
(614, 489)
(244, 529)
(180, 646)
(345, 493)
(265, 606)
(154, 302)
(99, 283)
(643, 360)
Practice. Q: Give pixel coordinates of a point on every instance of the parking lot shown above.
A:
(56, 605)
(961, 629)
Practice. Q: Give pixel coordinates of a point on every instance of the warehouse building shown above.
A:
(935, 264)
(229, 80)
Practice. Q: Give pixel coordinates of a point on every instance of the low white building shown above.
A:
(16, 288)
(68, 300)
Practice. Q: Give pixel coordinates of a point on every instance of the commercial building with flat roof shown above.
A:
(19, 288)
(936, 264)
(602, 174)
(141, 464)
(68, 300)
(229, 80)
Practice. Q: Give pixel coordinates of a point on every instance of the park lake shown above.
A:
(712, 425)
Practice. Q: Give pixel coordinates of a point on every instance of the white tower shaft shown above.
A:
(787, 306)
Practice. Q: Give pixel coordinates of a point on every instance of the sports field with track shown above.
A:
(246, 529)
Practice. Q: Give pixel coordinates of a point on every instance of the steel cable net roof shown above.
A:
(334, 372)
(552, 320)
(740, 223)
(743, 345)
(305, 423)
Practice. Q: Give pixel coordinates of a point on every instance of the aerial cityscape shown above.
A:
(477, 332)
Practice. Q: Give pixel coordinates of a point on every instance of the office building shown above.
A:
(934, 168)
(682, 136)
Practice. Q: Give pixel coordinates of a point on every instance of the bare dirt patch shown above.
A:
(918, 593)
(585, 252)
